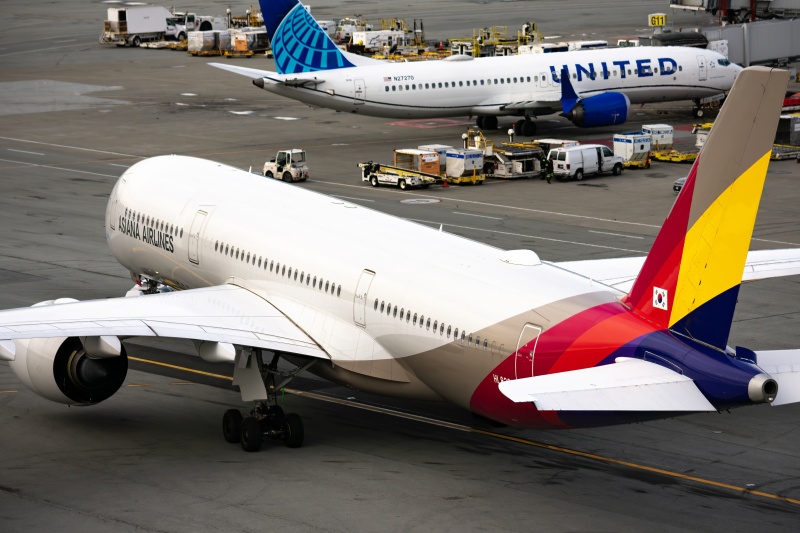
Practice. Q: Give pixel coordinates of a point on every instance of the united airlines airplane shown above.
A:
(347, 295)
(313, 70)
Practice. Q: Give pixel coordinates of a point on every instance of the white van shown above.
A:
(584, 160)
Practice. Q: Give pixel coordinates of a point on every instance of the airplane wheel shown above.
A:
(698, 112)
(373, 181)
(287, 177)
(518, 127)
(293, 432)
(403, 186)
(489, 123)
(579, 174)
(528, 128)
(479, 122)
(251, 434)
(232, 425)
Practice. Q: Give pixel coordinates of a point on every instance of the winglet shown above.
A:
(569, 98)
(690, 281)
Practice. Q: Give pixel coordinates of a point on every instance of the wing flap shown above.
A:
(626, 385)
(784, 367)
(224, 314)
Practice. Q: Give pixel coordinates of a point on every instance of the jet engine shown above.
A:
(62, 370)
(602, 110)
(70, 370)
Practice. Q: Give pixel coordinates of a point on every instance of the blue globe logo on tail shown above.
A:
(298, 43)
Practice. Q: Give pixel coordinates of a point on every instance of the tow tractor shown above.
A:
(288, 165)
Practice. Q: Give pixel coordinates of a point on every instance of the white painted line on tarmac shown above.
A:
(515, 208)
(351, 198)
(70, 147)
(527, 236)
(616, 234)
(118, 165)
(473, 215)
(24, 151)
(58, 168)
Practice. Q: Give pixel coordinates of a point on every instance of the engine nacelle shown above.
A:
(602, 110)
(61, 370)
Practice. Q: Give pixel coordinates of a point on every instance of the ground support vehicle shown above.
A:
(576, 162)
(464, 165)
(512, 161)
(378, 174)
(288, 165)
(633, 148)
(661, 136)
(785, 151)
(674, 156)
(137, 24)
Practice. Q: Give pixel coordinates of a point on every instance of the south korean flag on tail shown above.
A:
(660, 298)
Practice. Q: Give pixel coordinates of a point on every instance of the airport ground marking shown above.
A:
(492, 434)
(69, 147)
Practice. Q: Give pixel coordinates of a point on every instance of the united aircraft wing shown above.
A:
(620, 273)
(224, 314)
(626, 385)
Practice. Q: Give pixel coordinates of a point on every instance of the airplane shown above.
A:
(313, 70)
(347, 295)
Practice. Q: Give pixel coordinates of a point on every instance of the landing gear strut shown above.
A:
(267, 418)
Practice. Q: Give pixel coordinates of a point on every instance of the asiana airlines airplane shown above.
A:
(607, 82)
(347, 296)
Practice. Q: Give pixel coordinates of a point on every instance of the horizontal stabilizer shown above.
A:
(784, 367)
(626, 385)
(244, 71)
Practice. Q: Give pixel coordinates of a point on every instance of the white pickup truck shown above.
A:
(584, 160)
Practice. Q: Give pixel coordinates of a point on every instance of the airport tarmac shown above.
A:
(74, 115)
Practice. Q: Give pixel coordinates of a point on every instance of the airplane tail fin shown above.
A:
(569, 98)
(690, 280)
(299, 44)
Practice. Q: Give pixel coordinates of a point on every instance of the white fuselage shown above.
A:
(511, 85)
(306, 253)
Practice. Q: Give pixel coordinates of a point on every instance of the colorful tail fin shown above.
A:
(298, 43)
(690, 280)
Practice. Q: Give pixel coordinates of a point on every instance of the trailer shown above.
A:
(510, 160)
(660, 136)
(380, 174)
(137, 24)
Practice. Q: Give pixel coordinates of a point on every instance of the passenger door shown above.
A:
(702, 73)
(360, 91)
(526, 350)
(360, 298)
(194, 236)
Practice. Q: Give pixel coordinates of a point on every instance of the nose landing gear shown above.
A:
(266, 419)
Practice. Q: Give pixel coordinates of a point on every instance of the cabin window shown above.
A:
(467, 83)
(446, 85)
(435, 325)
(314, 285)
(394, 314)
(485, 344)
(421, 320)
(440, 85)
(415, 319)
(495, 81)
(388, 309)
(408, 317)
(181, 236)
(477, 342)
(481, 82)
(237, 253)
(402, 313)
(271, 264)
(376, 304)
(469, 341)
(463, 334)
(387, 88)
(320, 283)
(461, 84)
(226, 250)
(428, 324)
(308, 279)
(302, 277)
(449, 330)
(441, 329)
(338, 290)
(407, 88)
(383, 305)
(326, 286)
(515, 80)
(529, 79)
(508, 80)
(216, 246)
(427, 86)
(248, 257)
(283, 270)
(655, 70)
(295, 276)
(680, 68)
(290, 272)
(394, 88)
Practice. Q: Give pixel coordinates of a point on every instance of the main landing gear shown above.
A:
(257, 382)
(525, 127)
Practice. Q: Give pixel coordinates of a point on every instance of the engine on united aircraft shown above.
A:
(604, 109)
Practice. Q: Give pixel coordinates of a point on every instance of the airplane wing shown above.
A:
(626, 385)
(620, 273)
(226, 313)
(784, 367)
(544, 106)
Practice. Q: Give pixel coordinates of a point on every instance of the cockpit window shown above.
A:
(723, 62)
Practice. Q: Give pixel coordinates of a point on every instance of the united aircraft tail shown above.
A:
(299, 44)
(690, 281)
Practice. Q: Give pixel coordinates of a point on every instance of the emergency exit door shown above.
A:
(360, 298)
(526, 350)
(194, 237)
(701, 68)
(360, 91)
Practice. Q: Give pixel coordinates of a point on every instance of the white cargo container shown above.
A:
(376, 40)
(440, 149)
(463, 162)
(201, 41)
(660, 136)
(632, 147)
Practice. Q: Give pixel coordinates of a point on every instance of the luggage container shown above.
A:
(634, 149)
(440, 149)
(420, 160)
(660, 136)
(464, 165)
